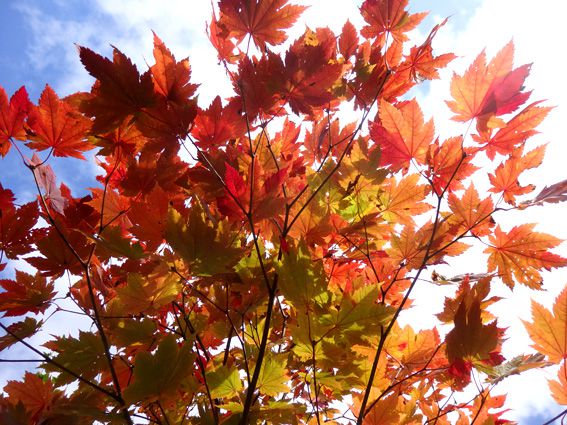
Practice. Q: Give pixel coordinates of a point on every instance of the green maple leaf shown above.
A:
(84, 355)
(302, 281)
(273, 376)
(209, 249)
(159, 375)
(224, 382)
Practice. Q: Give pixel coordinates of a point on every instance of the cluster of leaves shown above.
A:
(260, 279)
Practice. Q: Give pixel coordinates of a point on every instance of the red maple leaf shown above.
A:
(388, 17)
(12, 116)
(57, 125)
(119, 91)
(26, 294)
(263, 20)
(171, 78)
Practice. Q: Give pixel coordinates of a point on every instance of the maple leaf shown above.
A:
(559, 388)
(12, 116)
(146, 293)
(34, 393)
(469, 213)
(224, 382)
(217, 124)
(19, 331)
(505, 177)
(84, 354)
(188, 238)
(402, 134)
(449, 164)
(520, 254)
(302, 281)
(18, 235)
(348, 40)
(413, 349)
(148, 218)
(123, 142)
(388, 17)
(552, 194)
(423, 65)
(158, 376)
(27, 293)
(55, 124)
(402, 200)
(57, 256)
(219, 37)
(488, 90)
(548, 330)
(171, 78)
(260, 99)
(311, 70)
(470, 338)
(273, 376)
(263, 20)
(468, 294)
(384, 412)
(514, 132)
(119, 91)
(6, 199)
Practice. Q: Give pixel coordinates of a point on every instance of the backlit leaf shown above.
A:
(548, 330)
(55, 124)
(263, 20)
(27, 293)
(402, 134)
(12, 116)
(273, 376)
(520, 254)
(158, 376)
(224, 382)
(559, 388)
(34, 393)
(489, 90)
(22, 330)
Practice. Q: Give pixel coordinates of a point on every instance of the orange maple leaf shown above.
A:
(401, 201)
(469, 213)
(548, 330)
(489, 90)
(217, 124)
(402, 134)
(470, 338)
(514, 132)
(520, 254)
(449, 163)
(57, 125)
(422, 62)
(505, 177)
(348, 40)
(559, 388)
(388, 17)
(171, 78)
(263, 20)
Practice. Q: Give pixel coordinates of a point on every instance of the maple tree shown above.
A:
(247, 262)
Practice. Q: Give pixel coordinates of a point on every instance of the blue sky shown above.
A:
(37, 46)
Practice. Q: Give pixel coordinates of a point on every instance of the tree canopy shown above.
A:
(248, 261)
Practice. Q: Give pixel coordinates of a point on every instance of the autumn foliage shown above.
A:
(248, 261)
